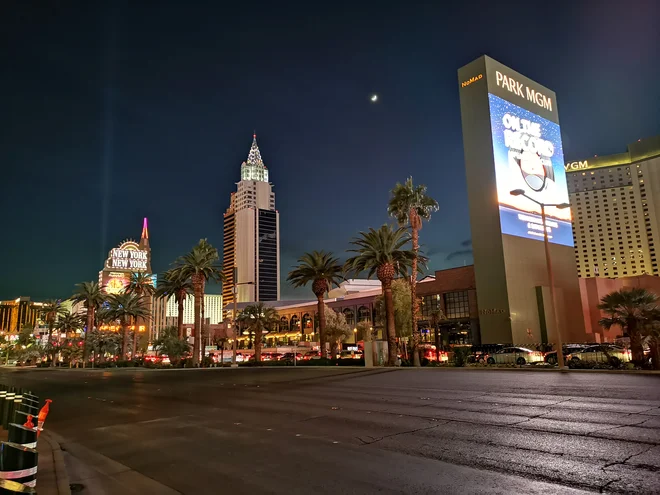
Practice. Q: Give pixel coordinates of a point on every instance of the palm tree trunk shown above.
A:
(389, 323)
(197, 289)
(257, 345)
(50, 341)
(636, 346)
(320, 308)
(90, 323)
(180, 315)
(124, 339)
(437, 344)
(204, 332)
(136, 329)
(414, 220)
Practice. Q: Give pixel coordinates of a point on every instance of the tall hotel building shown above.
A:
(615, 202)
(252, 236)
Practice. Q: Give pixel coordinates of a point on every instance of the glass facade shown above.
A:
(457, 305)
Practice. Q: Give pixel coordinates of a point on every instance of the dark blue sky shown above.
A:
(153, 107)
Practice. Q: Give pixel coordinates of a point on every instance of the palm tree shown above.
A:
(323, 270)
(49, 312)
(142, 285)
(652, 330)
(199, 266)
(172, 284)
(69, 322)
(258, 318)
(381, 252)
(127, 308)
(410, 205)
(629, 308)
(92, 296)
(437, 315)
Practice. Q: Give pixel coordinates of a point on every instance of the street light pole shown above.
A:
(551, 278)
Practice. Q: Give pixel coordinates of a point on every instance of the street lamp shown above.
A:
(548, 262)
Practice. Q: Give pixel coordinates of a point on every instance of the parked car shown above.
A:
(350, 355)
(288, 356)
(551, 356)
(312, 355)
(480, 353)
(515, 355)
(601, 353)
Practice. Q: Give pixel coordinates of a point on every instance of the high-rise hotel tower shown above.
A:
(615, 202)
(252, 236)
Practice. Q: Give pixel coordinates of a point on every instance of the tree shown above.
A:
(402, 307)
(258, 318)
(168, 343)
(199, 266)
(323, 270)
(437, 316)
(72, 351)
(365, 329)
(337, 330)
(127, 308)
(171, 284)
(142, 285)
(69, 322)
(381, 252)
(628, 308)
(410, 205)
(91, 295)
(49, 313)
(103, 342)
(652, 331)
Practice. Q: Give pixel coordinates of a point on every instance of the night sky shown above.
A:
(113, 113)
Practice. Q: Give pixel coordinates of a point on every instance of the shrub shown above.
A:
(460, 356)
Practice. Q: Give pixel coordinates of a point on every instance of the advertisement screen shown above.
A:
(528, 155)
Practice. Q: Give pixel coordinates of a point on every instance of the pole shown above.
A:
(233, 325)
(551, 278)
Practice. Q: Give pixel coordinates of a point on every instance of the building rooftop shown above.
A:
(643, 149)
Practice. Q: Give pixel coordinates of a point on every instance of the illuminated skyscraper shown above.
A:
(252, 236)
(615, 201)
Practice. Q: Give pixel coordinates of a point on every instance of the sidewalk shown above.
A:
(52, 478)
(94, 474)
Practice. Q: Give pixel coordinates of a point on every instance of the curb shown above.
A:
(61, 475)
(537, 370)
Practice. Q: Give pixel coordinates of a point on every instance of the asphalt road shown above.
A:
(364, 431)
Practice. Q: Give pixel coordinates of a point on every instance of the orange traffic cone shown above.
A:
(42, 416)
(29, 423)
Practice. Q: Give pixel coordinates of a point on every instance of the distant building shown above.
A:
(353, 285)
(615, 202)
(18, 313)
(251, 249)
(593, 289)
(212, 309)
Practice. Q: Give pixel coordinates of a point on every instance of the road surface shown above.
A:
(341, 430)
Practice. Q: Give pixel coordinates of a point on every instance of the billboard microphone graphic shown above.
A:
(534, 171)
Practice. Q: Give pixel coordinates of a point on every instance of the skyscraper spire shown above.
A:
(145, 230)
(144, 238)
(253, 168)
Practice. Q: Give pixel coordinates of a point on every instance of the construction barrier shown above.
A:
(7, 405)
(21, 416)
(8, 487)
(18, 463)
(23, 435)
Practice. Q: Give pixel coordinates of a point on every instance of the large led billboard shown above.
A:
(528, 155)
